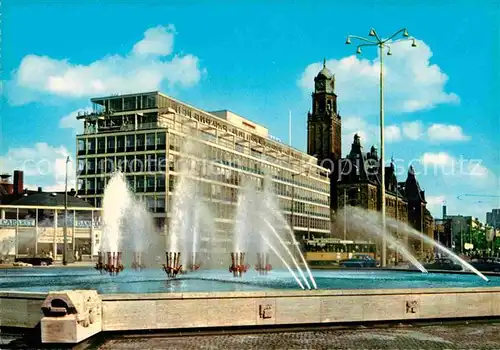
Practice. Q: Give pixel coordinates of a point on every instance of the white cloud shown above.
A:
(69, 121)
(392, 133)
(43, 165)
(369, 133)
(452, 170)
(145, 68)
(411, 82)
(157, 41)
(416, 130)
(413, 130)
(443, 132)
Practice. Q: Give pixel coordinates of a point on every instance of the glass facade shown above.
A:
(151, 149)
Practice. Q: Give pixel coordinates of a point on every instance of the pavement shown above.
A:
(465, 335)
(442, 336)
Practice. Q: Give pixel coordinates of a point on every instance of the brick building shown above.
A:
(355, 179)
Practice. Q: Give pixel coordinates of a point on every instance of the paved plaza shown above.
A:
(461, 336)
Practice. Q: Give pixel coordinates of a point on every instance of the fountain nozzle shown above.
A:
(263, 266)
(238, 266)
(173, 267)
(137, 264)
(113, 265)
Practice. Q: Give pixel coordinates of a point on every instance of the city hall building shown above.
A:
(144, 135)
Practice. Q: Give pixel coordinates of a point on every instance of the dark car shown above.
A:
(359, 260)
(443, 264)
(36, 261)
(486, 264)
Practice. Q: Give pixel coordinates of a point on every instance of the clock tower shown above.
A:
(324, 128)
(323, 123)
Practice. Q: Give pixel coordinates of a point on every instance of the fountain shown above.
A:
(99, 266)
(128, 228)
(191, 221)
(370, 222)
(137, 263)
(173, 266)
(238, 266)
(259, 222)
(263, 266)
(367, 223)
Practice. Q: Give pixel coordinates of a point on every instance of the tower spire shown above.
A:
(324, 62)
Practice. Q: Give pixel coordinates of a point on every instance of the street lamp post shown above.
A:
(381, 44)
(65, 229)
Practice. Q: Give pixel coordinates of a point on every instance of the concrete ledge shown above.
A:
(157, 311)
(21, 309)
(223, 309)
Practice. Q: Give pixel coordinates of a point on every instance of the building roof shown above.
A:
(325, 72)
(50, 199)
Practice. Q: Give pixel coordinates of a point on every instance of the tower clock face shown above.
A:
(320, 85)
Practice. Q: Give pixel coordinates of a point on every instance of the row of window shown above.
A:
(216, 153)
(157, 141)
(151, 162)
(309, 222)
(122, 143)
(130, 103)
(156, 183)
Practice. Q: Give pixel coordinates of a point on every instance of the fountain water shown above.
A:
(115, 203)
(259, 222)
(364, 221)
(273, 206)
(128, 228)
(405, 228)
(191, 222)
(369, 224)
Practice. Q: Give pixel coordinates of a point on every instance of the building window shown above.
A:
(160, 183)
(139, 183)
(149, 101)
(161, 162)
(129, 103)
(140, 141)
(81, 146)
(150, 183)
(100, 183)
(91, 146)
(111, 144)
(130, 182)
(101, 145)
(150, 141)
(110, 164)
(160, 204)
(150, 203)
(91, 166)
(81, 165)
(120, 143)
(161, 139)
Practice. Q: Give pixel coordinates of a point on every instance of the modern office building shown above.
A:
(146, 136)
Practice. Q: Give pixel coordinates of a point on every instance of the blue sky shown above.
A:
(258, 59)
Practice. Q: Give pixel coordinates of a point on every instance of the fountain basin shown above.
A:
(157, 311)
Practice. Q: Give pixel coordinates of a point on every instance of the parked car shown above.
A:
(486, 264)
(443, 264)
(359, 260)
(36, 261)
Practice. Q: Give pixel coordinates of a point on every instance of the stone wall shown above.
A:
(21, 309)
(197, 310)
